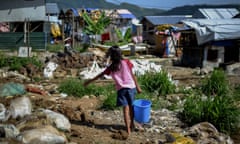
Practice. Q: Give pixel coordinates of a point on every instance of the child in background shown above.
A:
(125, 82)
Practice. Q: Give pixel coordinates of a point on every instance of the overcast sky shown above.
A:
(168, 4)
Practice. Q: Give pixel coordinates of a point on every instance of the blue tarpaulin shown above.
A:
(75, 12)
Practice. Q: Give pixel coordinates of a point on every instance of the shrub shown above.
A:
(15, 63)
(157, 83)
(110, 93)
(74, 87)
(110, 102)
(55, 47)
(236, 93)
(218, 110)
(216, 84)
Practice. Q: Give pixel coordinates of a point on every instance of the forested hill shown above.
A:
(136, 10)
(189, 10)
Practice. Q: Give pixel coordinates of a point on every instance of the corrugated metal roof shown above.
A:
(158, 20)
(52, 8)
(124, 13)
(214, 29)
(20, 10)
(127, 16)
(219, 13)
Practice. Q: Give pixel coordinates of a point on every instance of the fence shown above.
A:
(13, 40)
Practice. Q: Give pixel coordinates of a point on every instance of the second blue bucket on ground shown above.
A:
(142, 110)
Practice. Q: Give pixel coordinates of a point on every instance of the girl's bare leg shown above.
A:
(131, 112)
(126, 115)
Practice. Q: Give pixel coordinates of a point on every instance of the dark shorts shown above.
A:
(125, 96)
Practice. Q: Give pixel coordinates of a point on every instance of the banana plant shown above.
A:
(124, 38)
(95, 27)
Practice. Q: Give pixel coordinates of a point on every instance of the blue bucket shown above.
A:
(142, 110)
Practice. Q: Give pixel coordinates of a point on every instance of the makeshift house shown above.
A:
(71, 22)
(156, 32)
(28, 24)
(216, 39)
(219, 38)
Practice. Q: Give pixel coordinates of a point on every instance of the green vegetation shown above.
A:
(94, 27)
(55, 47)
(74, 87)
(216, 84)
(60, 47)
(220, 110)
(158, 83)
(218, 107)
(15, 63)
(236, 93)
(127, 36)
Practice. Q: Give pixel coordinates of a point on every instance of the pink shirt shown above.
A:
(123, 77)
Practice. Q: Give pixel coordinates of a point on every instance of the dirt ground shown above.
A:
(89, 125)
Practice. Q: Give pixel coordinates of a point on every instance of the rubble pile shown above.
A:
(76, 60)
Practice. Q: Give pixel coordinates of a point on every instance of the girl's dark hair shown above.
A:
(115, 55)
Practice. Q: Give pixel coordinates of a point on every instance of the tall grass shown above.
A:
(216, 84)
(74, 87)
(219, 107)
(219, 111)
(158, 83)
(15, 63)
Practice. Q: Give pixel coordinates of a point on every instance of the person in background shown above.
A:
(125, 82)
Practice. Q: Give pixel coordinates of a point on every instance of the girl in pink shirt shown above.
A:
(125, 81)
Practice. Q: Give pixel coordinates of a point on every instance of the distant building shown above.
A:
(73, 20)
(216, 33)
(28, 21)
(52, 12)
(150, 36)
(20, 10)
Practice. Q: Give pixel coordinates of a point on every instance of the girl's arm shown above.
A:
(93, 79)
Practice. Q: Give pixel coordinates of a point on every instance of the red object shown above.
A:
(35, 90)
(105, 36)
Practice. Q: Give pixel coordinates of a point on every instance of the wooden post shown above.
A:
(73, 26)
(63, 34)
(25, 31)
(28, 36)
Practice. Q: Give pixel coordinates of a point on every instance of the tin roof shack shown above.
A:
(157, 40)
(123, 20)
(215, 36)
(217, 39)
(27, 24)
